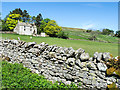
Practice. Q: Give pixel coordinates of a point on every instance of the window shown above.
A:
(30, 28)
(24, 28)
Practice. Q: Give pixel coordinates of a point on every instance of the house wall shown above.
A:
(21, 29)
(25, 30)
(16, 29)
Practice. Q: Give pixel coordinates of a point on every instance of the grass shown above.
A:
(89, 46)
(17, 76)
(79, 34)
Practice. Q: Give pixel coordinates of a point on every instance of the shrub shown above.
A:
(117, 33)
(88, 31)
(62, 35)
(110, 71)
(112, 87)
(113, 66)
(92, 38)
(5, 27)
(107, 31)
(17, 76)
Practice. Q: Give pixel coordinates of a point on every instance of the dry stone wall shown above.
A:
(60, 63)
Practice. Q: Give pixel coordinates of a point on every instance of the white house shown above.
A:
(25, 28)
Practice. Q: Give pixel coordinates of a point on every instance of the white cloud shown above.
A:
(88, 26)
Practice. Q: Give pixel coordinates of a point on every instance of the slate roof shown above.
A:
(25, 24)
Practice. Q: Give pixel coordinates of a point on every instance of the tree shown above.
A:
(52, 29)
(25, 15)
(12, 20)
(107, 31)
(93, 36)
(43, 24)
(38, 20)
(16, 11)
(88, 31)
(33, 19)
(4, 26)
(117, 33)
(46, 20)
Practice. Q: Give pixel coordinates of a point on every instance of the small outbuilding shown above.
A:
(23, 28)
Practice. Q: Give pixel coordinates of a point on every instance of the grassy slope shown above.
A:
(89, 46)
(79, 34)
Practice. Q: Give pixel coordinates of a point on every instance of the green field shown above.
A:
(89, 46)
(81, 34)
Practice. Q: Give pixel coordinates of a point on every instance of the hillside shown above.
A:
(81, 34)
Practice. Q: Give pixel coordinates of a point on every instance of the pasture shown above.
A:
(89, 46)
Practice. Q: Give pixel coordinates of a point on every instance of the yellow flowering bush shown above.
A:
(113, 66)
(12, 20)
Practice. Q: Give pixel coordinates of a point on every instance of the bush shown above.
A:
(92, 38)
(117, 33)
(88, 31)
(17, 76)
(107, 32)
(62, 35)
(112, 87)
(5, 27)
(113, 66)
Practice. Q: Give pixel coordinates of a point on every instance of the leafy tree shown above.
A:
(88, 31)
(93, 36)
(6, 17)
(52, 29)
(107, 31)
(46, 20)
(62, 35)
(0, 15)
(5, 27)
(12, 21)
(43, 24)
(33, 19)
(117, 33)
(25, 15)
(17, 11)
(38, 20)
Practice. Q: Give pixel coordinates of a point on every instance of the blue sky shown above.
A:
(60, 0)
(87, 15)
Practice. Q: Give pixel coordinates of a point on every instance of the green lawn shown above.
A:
(89, 46)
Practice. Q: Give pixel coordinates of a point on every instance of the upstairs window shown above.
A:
(30, 28)
(24, 28)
